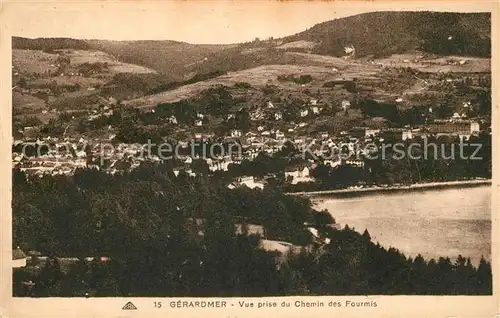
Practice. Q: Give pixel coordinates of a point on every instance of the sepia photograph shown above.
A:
(341, 153)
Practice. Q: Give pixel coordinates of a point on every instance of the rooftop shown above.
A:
(18, 254)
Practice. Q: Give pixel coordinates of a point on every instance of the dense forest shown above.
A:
(146, 223)
(48, 44)
(386, 33)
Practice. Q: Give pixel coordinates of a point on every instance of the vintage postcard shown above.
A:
(243, 158)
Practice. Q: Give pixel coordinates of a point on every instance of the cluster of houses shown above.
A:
(62, 158)
(309, 110)
(47, 156)
(259, 139)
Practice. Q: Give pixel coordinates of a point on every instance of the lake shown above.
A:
(434, 223)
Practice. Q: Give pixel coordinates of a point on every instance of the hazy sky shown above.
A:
(202, 21)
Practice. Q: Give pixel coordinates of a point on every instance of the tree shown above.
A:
(322, 219)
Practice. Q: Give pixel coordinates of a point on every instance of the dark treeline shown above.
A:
(215, 101)
(302, 79)
(146, 223)
(48, 44)
(192, 80)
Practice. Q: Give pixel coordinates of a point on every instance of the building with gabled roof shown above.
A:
(18, 258)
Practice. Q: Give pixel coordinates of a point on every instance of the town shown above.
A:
(62, 155)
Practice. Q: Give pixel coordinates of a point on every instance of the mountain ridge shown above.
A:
(430, 42)
(443, 33)
(422, 28)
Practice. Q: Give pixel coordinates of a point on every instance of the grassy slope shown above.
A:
(167, 57)
(26, 62)
(380, 34)
(380, 76)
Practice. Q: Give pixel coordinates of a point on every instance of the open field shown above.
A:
(59, 77)
(27, 103)
(78, 57)
(31, 61)
(259, 77)
(301, 44)
(377, 75)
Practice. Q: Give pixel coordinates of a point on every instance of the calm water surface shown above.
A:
(434, 223)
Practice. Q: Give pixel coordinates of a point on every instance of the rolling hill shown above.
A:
(377, 34)
(170, 58)
(145, 73)
(385, 33)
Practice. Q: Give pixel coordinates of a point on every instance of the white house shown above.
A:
(324, 134)
(345, 104)
(371, 132)
(18, 258)
(172, 119)
(198, 123)
(250, 182)
(314, 102)
(270, 104)
(235, 133)
(299, 175)
(279, 135)
(252, 229)
(474, 127)
(315, 110)
(278, 116)
(407, 134)
(349, 50)
(190, 173)
(304, 113)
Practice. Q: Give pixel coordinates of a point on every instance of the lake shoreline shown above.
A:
(393, 189)
(444, 220)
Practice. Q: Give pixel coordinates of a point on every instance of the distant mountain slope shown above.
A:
(48, 44)
(379, 34)
(168, 57)
(385, 33)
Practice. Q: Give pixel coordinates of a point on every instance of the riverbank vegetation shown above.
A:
(167, 235)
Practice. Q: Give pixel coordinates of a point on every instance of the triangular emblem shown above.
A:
(129, 306)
